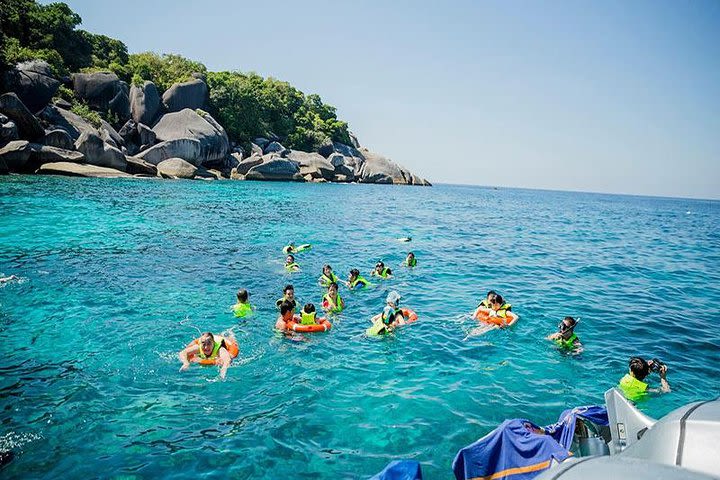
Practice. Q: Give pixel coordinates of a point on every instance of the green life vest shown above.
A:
(632, 388)
(308, 318)
(568, 344)
(359, 281)
(484, 304)
(391, 318)
(291, 267)
(411, 263)
(214, 354)
(326, 281)
(242, 310)
(338, 303)
(383, 274)
(502, 311)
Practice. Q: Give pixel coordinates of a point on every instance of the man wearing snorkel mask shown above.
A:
(565, 337)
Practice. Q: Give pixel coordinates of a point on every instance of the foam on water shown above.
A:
(120, 275)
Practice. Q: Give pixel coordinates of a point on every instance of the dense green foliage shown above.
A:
(247, 105)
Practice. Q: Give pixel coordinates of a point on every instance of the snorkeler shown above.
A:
(8, 279)
(381, 271)
(242, 308)
(410, 260)
(565, 337)
(632, 384)
(327, 277)
(288, 296)
(209, 349)
(290, 264)
(332, 301)
(355, 280)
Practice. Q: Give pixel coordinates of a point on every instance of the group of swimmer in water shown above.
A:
(493, 311)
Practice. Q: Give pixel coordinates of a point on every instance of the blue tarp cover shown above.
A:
(563, 430)
(510, 451)
(400, 470)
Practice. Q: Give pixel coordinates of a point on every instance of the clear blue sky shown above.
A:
(609, 96)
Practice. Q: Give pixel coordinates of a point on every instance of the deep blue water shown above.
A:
(118, 275)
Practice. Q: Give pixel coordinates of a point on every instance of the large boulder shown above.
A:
(246, 164)
(15, 155)
(59, 138)
(188, 149)
(276, 147)
(110, 135)
(378, 169)
(312, 164)
(66, 120)
(28, 126)
(192, 95)
(354, 140)
(34, 83)
(189, 124)
(100, 153)
(46, 154)
(103, 91)
(138, 166)
(275, 168)
(80, 170)
(256, 149)
(8, 130)
(177, 168)
(144, 103)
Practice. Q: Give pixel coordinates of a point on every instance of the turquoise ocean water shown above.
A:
(118, 275)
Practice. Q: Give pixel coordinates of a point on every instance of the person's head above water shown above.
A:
(207, 343)
(639, 368)
(333, 288)
(393, 298)
(327, 270)
(289, 291)
(379, 266)
(567, 326)
(410, 255)
(354, 273)
(496, 301)
(289, 259)
(286, 309)
(242, 295)
(490, 295)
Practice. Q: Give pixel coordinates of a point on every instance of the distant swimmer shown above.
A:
(291, 248)
(8, 279)
(404, 239)
(356, 280)
(381, 271)
(632, 384)
(565, 338)
(210, 349)
(290, 264)
(288, 296)
(332, 301)
(390, 318)
(410, 260)
(242, 308)
(328, 277)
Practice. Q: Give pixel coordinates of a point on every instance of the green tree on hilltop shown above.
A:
(162, 70)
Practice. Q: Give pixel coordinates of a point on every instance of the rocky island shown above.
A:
(149, 115)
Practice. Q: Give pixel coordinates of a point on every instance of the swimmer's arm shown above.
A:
(553, 336)
(183, 355)
(376, 318)
(578, 346)
(224, 361)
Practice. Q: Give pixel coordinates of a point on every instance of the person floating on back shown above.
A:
(242, 308)
(290, 264)
(291, 248)
(332, 301)
(209, 349)
(381, 271)
(328, 277)
(410, 260)
(288, 296)
(632, 385)
(565, 338)
(356, 280)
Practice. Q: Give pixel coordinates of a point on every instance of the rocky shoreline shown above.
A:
(168, 135)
